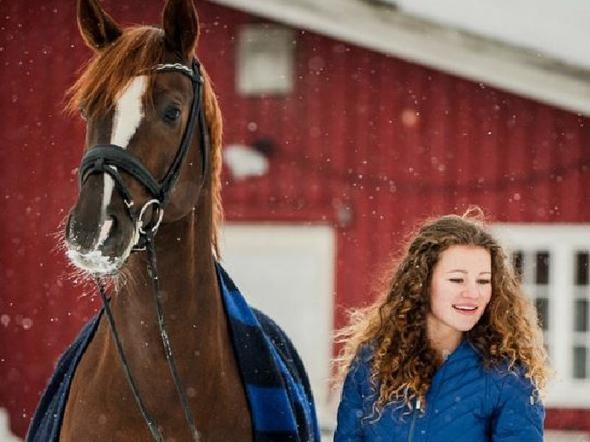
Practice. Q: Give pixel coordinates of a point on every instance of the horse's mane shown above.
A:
(135, 52)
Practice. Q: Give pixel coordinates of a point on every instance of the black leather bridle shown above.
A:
(109, 158)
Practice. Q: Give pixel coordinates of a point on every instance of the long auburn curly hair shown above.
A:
(394, 327)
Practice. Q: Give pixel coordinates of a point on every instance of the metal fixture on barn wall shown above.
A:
(265, 59)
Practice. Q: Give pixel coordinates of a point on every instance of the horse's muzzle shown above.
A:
(98, 243)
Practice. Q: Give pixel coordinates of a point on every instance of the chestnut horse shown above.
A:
(151, 112)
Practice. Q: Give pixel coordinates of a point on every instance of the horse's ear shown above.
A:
(181, 27)
(96, 26)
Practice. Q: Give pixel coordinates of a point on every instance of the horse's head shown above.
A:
(138, 95)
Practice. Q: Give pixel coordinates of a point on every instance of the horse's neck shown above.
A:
(201, 345)
(189, 290)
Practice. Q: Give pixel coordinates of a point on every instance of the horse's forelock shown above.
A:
(109, 71)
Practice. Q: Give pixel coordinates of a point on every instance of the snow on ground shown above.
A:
(5, 434)
(566, 436)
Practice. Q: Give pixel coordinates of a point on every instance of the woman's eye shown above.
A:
(171, 114)
(456, 280)
(83, 114)
(484, 281)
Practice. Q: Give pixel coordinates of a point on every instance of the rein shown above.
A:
(108, 158)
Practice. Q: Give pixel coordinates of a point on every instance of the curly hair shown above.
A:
(402, 361)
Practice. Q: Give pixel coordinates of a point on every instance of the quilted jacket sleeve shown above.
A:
(351, 409)
(518, 416)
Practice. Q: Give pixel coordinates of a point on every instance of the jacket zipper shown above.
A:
(413, 424)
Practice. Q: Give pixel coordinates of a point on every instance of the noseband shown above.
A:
(108, 158)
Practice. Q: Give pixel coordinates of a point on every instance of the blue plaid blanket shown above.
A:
(276, 385)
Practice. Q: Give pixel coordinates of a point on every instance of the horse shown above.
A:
(171, 356)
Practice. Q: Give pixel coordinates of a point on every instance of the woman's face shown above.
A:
(460, 289)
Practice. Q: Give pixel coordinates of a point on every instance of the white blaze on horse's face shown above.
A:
(127, 118)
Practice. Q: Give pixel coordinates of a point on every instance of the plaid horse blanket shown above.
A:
(275, 381)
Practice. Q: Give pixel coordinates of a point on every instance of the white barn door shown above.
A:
(287, 271)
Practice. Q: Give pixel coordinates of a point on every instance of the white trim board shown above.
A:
(288, 272)
(384, 29)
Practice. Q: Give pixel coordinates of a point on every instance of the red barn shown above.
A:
(338, 142)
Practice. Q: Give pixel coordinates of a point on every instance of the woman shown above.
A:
(452, 351)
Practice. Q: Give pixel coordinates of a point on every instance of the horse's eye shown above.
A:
(83, 114)
(171, 114)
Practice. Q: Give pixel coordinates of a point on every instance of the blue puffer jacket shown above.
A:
(465, 403)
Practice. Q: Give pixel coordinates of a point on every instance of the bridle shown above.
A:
(109, 158)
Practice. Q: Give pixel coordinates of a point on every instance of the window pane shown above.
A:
(580, 358)
(581, 315)
(518, 264)
(542, 268)
(542, 305)
(582, 259)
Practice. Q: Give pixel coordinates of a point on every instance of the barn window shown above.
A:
(552, 263)
(532, 269)
(265, 60)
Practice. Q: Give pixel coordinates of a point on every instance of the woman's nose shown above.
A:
(471, 291)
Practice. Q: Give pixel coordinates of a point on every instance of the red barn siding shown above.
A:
(568, 420)
(391, 140)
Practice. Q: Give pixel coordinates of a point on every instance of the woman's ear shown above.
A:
(181, 27)
(98, 28)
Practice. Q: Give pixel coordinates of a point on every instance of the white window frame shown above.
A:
(561, 241)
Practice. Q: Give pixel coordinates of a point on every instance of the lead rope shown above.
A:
(151, 423)
(153, 271)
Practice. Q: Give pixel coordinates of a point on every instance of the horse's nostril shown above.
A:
(114, 222)
(69, 229)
